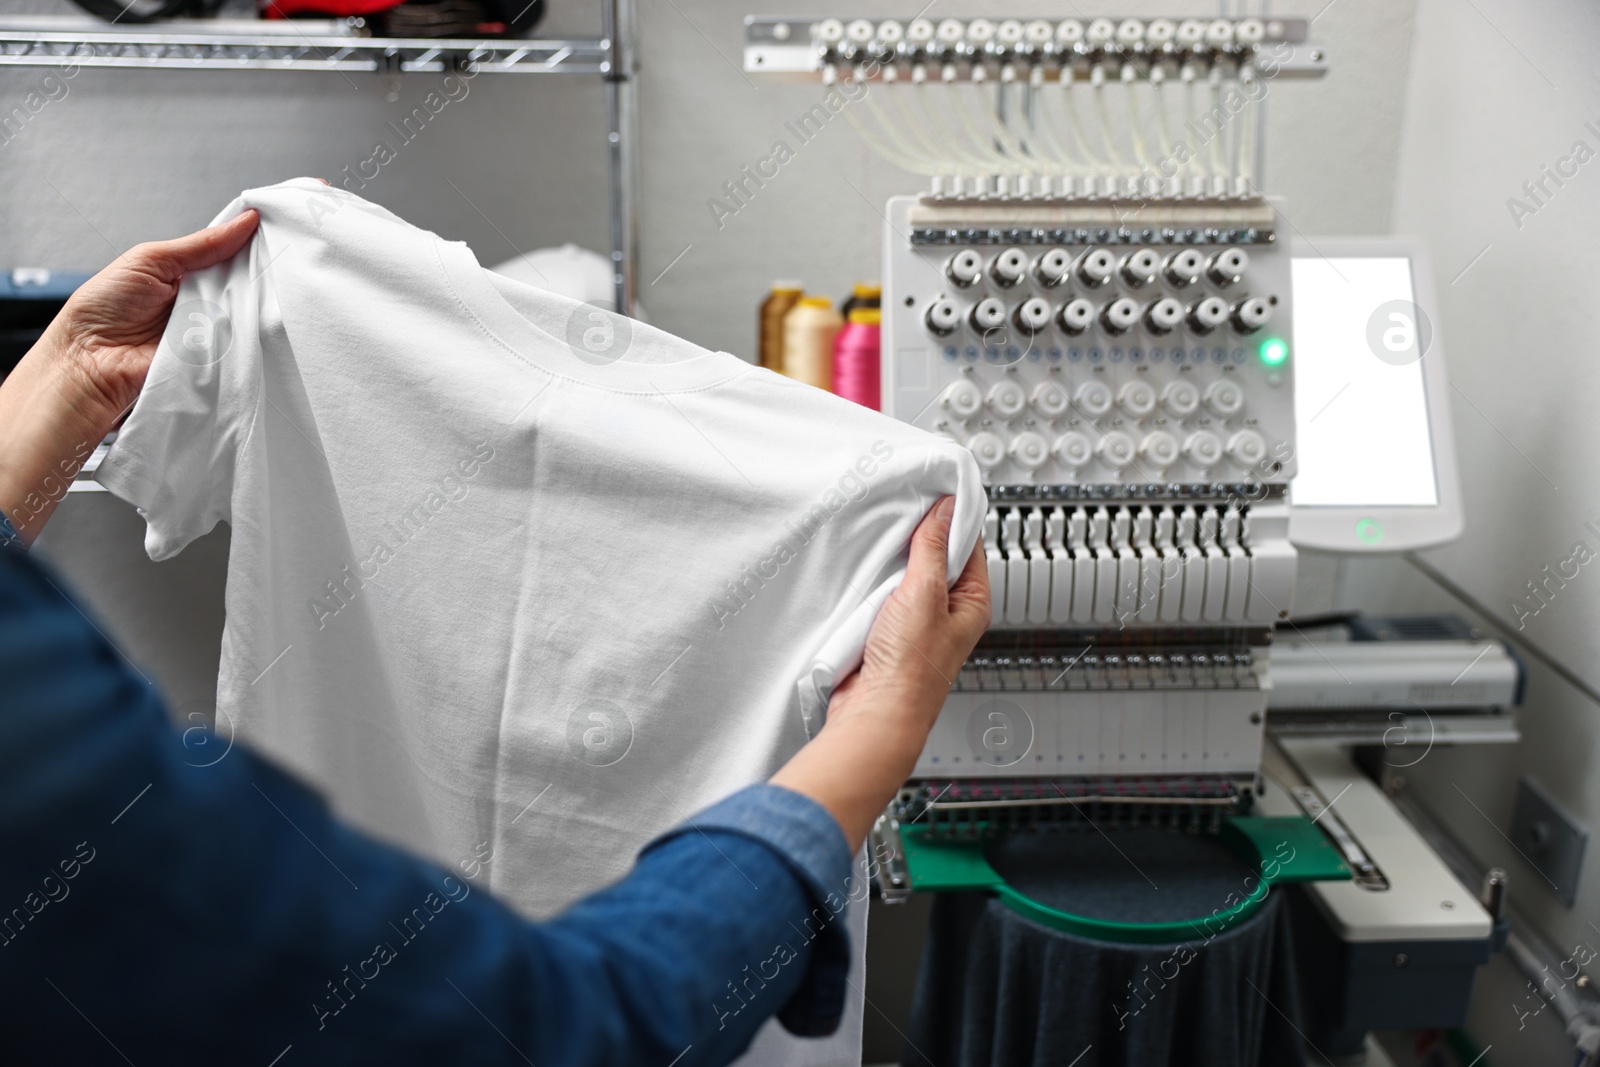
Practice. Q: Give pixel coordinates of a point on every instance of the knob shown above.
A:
(942, 318)
(1139, 268)
(1183, 268)
(1116, 449)
(1073, 450)
(962, 398)
(1227, 266)
(1138, 398)
(1202, 448)
(1101, 32)
(1094, 267)
(987, 314)
(1250, 31)
(950, 31)
(1220, 33)
(1009, 267)
(1007, 399)
(1029, 450)
(1052, 268)
(1246, 448)
(1206, 315)
(987, 449)
(1120, 316)
(1160, 448)
(1093, 399)
(1050, 400)
(1032, 315)
(1181, 399)
(1163, 316)
(964, 268)
(1075, 316)
(1225, 398)
(1160, 32)
(1250, 315)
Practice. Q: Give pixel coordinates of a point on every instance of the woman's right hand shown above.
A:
(879, 717)
(922, 636)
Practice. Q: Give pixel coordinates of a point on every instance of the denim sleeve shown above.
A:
(8, 534)
(189, 902)
(809, 839)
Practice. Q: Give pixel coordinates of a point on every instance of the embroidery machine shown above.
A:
(1094, 296)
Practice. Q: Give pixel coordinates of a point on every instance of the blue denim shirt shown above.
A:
(160, 905)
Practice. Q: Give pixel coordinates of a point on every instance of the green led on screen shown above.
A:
(1274, 350)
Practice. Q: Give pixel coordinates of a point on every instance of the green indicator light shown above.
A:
(1274, 351)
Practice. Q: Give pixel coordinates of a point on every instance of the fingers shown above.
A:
(970, 594)
(204, 248)
(974, 577)
(930, 546)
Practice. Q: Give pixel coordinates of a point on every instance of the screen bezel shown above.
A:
(1348, 527)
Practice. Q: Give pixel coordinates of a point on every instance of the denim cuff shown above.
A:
(809, 840)
(8, 536)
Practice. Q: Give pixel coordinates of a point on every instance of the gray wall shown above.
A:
(1499, 88)
(126, 157)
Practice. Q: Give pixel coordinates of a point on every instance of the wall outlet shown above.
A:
(1549, 838)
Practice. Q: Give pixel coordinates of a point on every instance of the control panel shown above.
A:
(1094, 344)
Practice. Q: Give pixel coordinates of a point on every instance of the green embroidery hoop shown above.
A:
(1283, 849)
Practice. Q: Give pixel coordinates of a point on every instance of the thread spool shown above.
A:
(769, 336)
(856, 358)
(863, 295)
(809, 330)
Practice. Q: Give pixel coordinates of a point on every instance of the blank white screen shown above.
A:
(1361, 424)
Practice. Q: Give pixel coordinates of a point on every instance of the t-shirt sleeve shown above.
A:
(176, 455)
(947, 470)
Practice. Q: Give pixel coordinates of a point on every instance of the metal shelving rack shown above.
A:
(335, 46)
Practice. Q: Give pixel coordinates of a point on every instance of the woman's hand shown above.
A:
(879, 717)
(108, 331)
(923, 634)
(86, 371)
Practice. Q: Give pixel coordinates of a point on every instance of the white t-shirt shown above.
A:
(510, 576)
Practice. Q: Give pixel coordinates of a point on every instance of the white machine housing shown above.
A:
(1120, 372)
(1133, 425)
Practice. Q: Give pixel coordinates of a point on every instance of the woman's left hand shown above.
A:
(86, 371)
(108, 331)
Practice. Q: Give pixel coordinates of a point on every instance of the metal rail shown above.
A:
(622, 140)
(247, 44)
(788, 47)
